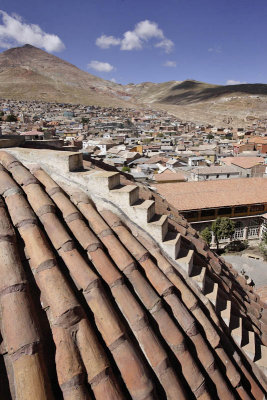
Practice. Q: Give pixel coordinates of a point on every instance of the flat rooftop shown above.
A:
(214, 194)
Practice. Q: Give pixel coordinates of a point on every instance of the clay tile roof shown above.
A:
(169, 176)
(208, 194)
(243, 162)
(92, 308)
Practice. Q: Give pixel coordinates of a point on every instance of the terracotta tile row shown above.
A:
(18, 323)
(64, 309)
(163, 298)
(124, 262)
(60, 238)
(160, 282)
(241, 294)
(131, 310)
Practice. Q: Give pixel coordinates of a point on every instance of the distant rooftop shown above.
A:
(243, 162)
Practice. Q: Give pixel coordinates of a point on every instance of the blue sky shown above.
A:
(215, 41)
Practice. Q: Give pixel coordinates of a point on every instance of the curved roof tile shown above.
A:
(124, 321)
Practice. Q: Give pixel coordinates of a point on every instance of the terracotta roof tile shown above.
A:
(18, 323)
(147, 316)
(208, 194)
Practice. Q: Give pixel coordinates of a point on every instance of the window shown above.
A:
(253, 231)
(190, 214)
(225, 211)
(239, 233)
(208, 213)
(240, 209)
(257, 207)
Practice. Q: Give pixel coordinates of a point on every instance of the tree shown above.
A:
(206, 235)
(263, 245)
(11, 118)
(126, 169)
(210, 136)
(85, 120)
(222, 227)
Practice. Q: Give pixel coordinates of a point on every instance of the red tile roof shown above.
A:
(169, 176)
(219, 193)
(243, 162)
(120, 319)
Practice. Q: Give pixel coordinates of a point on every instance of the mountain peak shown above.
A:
(27, 45)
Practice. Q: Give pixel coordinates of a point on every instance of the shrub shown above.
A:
(206, 235)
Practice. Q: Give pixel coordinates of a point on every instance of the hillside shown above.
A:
(232, 105)
(30, 73)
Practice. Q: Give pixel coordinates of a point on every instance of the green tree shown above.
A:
(222, 227)
(126, 169)
(206, 235)
(85, 120)
(210, 136)
(147, 140)
(11, 118)
(263, 245)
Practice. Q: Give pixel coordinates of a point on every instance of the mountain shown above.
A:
(190, 91)
(221, 105)
(30, 73)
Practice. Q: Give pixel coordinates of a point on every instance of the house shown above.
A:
(247, 166)
(173, 163)
(260, 143)
(214, 172)
(169, 177)
(195, 161)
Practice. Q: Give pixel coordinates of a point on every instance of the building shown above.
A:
(168, 176)
(244, 200)
(214, 172)
(247, 166)
(124, 306)
(195, 161)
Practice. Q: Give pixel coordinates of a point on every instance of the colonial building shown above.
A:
(244, 200)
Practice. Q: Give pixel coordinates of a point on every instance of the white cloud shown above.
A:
(13, 32)
(104, 42)
(233, 82)
(216, 49)
(131, 41)
(147, 30)
(166, 44)
(113, 80)
(100, 66)
(135, 39)
(170, 64)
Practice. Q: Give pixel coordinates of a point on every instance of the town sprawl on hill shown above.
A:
(30, 73)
